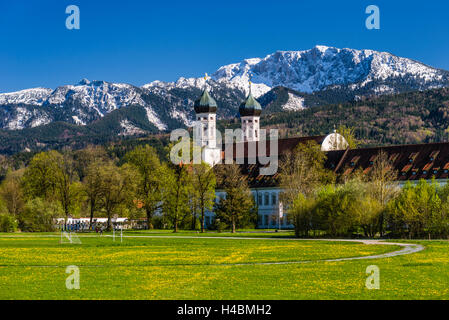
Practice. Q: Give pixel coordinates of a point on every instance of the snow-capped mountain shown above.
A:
(321, 75)
(323, 67)
(35, 97)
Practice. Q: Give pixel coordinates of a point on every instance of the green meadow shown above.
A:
(188, 265)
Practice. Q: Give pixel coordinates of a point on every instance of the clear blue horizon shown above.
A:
(138, 42)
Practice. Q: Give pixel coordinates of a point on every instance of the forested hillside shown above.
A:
(413, 117)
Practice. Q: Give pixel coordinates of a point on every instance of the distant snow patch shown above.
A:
(176, 114)
(40, 121)
(128, 129)
(154, 119)
(294, 103)
(78, 121)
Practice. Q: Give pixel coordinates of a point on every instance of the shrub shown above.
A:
(7, 223)
(38, 215)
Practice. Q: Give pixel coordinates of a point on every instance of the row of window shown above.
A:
(272, 220)
(263, 220)
(204, 118)
(264, 199)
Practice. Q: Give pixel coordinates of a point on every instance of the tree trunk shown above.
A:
(176, 226)
(91, 216)
(381, 225)
(109, 223)
(202, 219)
(149, 224)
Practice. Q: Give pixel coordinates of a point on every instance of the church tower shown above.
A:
(250, 111)
(205, 126)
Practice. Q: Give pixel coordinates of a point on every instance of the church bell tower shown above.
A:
(205, 127)
(250, 111)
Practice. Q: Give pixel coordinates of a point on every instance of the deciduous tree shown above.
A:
(150, 179)
(238, 203)
(204, 181)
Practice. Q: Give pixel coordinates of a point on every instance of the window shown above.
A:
(273, 198)
(259, 201)
(267, 199)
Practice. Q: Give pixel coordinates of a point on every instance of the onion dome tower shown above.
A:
(205, 109)
(205, 126)
(250, 111)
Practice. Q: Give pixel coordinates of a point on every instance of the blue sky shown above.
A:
(140, 41)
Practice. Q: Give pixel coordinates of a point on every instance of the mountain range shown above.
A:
(282, 81)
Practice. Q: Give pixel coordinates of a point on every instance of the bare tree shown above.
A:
(302, 171)
(381, 184)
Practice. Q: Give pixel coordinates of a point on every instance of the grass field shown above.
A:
(164, 266)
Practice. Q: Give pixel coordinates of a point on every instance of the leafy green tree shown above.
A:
(118, 188)
(85, 157)
(38, 215)
(303, 216)
(150, 179)
(414, 210)
(368, 212)
(302, 172)
(39, 178)
(337, 206)
(349, 134)
(177, 191)
(238, 204)
(11, 192)
(93, 187)
(8, 222)
(52, 175)
(204, 181)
